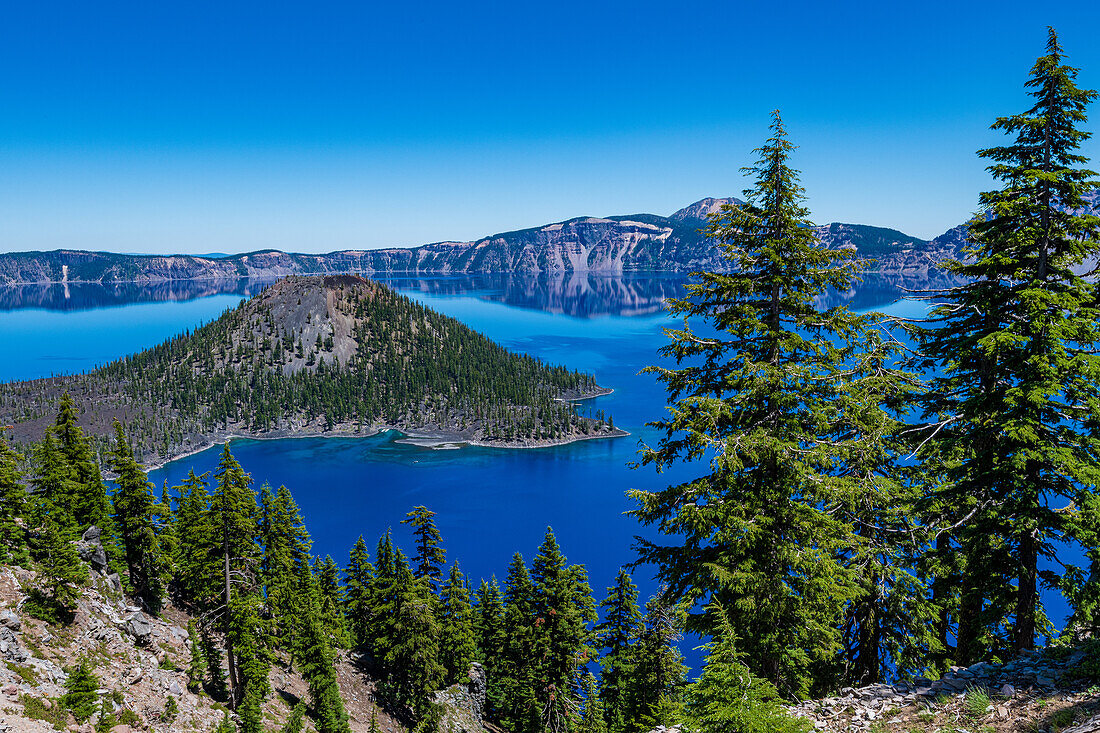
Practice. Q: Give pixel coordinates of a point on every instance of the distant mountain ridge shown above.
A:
(610, 245)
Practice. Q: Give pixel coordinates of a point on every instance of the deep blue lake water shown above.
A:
(489, 503)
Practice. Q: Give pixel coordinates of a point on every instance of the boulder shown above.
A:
(140, 627)
(10, 619)
(10, 649)
(90, 549)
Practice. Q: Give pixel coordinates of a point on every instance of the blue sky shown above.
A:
(198, 127)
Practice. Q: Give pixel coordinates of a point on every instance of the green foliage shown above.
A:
(106, 718)
(226, 725)
(410, 641)
(38, 709)
(197, 573)
(592, 720)
(457, 639)
(61, 574)
(620, 629)
(759, 401)
(977, 700)
(318, 659)
(653, 689)
(80, 692)
(134, 515)
(728, 698)
(492, 636)
(197, 668)
(358, 596)
(295, 723)
(331, 597)
(13, 501)
(171, 710)
(1010, 408)
(430, 556)
(244, 639)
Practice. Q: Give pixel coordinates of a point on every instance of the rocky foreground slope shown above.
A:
(335, 355)
(611, 245)
(141, 664)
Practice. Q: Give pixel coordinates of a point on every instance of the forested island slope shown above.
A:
(333, 355)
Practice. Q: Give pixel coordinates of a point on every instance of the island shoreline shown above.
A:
(437, 437)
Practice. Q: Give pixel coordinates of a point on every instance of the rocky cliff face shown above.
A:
(612, 245)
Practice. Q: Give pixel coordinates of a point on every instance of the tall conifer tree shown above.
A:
(13, 503)
(457, 640)
(1012, 406)
(756, 400)
(430, 556)
(133, 515)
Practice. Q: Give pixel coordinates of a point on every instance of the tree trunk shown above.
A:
(941, 594)
(967, 648)
(231, 659)
(1027, 590)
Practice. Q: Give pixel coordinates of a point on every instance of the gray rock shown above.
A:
(93, 554)
(139, 627)
(92, 534)
(10, 619)
(10, 650)
(1008, 690)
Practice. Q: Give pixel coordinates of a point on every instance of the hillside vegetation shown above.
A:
(318, 355)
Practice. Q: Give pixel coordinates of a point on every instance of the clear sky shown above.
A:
(315, 126)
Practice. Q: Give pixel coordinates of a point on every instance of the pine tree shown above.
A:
(51, 479)
(214, 672)
(492, 636)
(457, 640)
(564, 608)
(233, 517)
(410, 649)
(331, 597)
(318, 659)
(430, 557)
(198, 574)
(592, 721)
(13, 504)
(358, 598)
(164, 523)
(512, 687)
(296, 722)
(891, 625)
(196, 670)
(728, 698)
(621, 627)
(80, 692)
(133, 515)
(88, 502)
(652, 691)
(1011, 406)
(284, 538)
(757, 401)
(61, 574)
(245, 638)
(381, 621)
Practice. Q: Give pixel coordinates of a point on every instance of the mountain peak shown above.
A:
(703, 208)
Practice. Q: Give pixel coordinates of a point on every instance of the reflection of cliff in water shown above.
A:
(880, 290)
(86, 296)
(583, 295)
